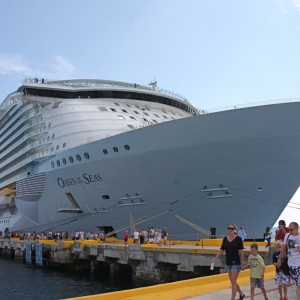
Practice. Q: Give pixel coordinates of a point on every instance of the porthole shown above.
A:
(105, 151)
(52, 149)
(78, 157)
(58, 163)
(64, 161)
(52, 164)
(64, 145)
(127, 147)
(71, 159)
(105, 197)
(57, 147)
(115, 149)
(86, 155)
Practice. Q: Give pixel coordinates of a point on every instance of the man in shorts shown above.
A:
(291, 245)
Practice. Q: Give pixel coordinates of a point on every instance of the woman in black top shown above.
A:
(233, 246)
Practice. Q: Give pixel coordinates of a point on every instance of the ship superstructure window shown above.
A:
(71, 159)
(133, 118)
(103, 108)
(127, 147)
(105, 197)
(64, 145)
(86, 155)
(58, 163)
(117, 104)
(136, 112)
(130, 126)
(64, 161)
(124, 110)
(156, 115)
(52, 164)
(105, 151)
(112, 109)
(128, 105)
(121, 117)
(165, 117)
(78, 157)
(115, 149)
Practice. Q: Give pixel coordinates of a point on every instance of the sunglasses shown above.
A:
(230, 228)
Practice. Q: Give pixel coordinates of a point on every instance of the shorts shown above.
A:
(257, 282)
(281, 278)
(230, 268)
(295, 273)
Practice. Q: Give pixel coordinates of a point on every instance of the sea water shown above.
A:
(22, 281)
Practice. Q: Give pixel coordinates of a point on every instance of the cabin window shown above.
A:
(78, 157)
(86, 155)
(105, 151)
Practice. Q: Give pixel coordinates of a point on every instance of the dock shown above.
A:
(186, 264)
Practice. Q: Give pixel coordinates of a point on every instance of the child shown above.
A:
(281, 279)
(257, 271)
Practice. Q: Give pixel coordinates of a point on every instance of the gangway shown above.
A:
(192, 225)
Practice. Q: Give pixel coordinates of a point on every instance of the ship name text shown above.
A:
(83, 179)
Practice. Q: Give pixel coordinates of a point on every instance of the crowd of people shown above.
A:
(152, 236)
(286, 259)
(51, 235)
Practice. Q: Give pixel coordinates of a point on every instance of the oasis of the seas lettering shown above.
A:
(84, 178)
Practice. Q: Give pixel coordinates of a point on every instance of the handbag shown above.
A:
(284, 262)
(285, 266)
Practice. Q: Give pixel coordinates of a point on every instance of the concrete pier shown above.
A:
(155, 263)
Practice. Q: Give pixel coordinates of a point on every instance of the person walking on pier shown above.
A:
(281, 231)
(291, 247)
(268, 235)
(126, 236)
(233, 246)
(242, 233)
(257, 271)
(281, 277)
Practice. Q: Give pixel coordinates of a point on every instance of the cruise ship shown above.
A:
(107, 155)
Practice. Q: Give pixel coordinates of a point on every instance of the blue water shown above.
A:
(21, 281)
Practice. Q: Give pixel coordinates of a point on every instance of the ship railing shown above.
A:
(104, 83)
(252, 104)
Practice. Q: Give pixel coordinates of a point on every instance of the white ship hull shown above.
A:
(239, 166)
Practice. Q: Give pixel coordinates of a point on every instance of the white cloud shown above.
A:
(63, 68)
(14, 64)
(297, 4)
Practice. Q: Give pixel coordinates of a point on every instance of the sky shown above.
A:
(216, 53)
